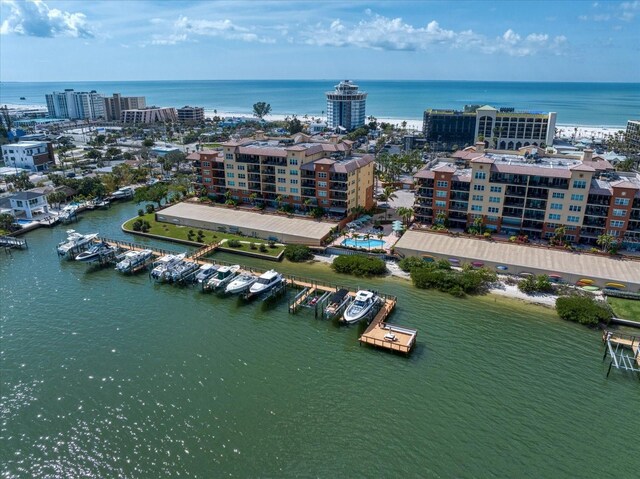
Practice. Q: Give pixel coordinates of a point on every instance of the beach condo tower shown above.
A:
(346, 107)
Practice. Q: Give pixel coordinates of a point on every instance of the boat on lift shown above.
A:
(362, 305)
(75, 242)
(165, 262)
(205, 272)
(223, 276)
(336, 302)
(266, 282)
(133, 259)
(95, 253)
(180, 270)
(241, 283)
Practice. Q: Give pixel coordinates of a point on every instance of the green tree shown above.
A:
(7, 222)
(605, 242)
(405, 213)
(148, 142)
(583, 310)
(157, 193)
(261, 109)
(294, 125)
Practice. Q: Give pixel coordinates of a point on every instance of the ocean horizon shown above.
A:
(581, 103)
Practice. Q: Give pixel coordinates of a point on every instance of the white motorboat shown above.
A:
(124, 192)
(223, 276)
(180, 270)
(133, 259)
(165, 262)
(67, 213)
(205, 272)
(241, 283)
(94, 253)
(75, 242)
(266, 281)
(361, 306)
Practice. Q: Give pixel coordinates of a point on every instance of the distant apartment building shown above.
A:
(191, 114)
(31, 155)
(346, 106)
(633, 133)
(149, 115)
(516, 194)
(75, 105)
(116, 104)
(304, 174)
(503, 129)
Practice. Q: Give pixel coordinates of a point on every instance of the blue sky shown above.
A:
(48, 40)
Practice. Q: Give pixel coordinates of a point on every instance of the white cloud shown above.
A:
(383, 33)
(185, 29)
(35, 18)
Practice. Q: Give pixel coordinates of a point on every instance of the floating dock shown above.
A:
(624, 351)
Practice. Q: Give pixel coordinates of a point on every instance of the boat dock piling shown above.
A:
(624, 350)
(8, 242)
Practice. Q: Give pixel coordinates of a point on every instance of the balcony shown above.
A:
(512, 212)
(268, 170)
(269, 188)
(338, 186)
(515, 202)
(426, 192)
(424, 202)
(253, 185)
(275, 162)
(596, 211)
(308, 192)
(536, 204)
(515, 191)
(254, 177)
(459, 196)
(309, 183)
(338, 177)
(268, 179)
(458, 206)
(538, 193)
(338, 196)
(534, 215)
(593, 221)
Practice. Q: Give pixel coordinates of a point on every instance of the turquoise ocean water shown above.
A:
(597, 104)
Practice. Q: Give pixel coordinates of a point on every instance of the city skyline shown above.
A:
(561, 41)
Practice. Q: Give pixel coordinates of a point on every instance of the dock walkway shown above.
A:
(12, 242)
(618, 346)
(387, 336)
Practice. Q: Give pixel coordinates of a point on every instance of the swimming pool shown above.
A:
(363, 243)
(20, 221)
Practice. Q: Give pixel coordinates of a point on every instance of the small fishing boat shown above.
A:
(336, 302)
(615, 285)
(164, 263)
(266, 282)
(241, 283)
(205, 272)
(74, 242)
(502, 267)
(94, 253)
(133, 259)
(180, 271)
(361, 306)
(223, 276)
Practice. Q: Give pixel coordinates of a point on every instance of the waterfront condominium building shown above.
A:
(75, 105)
(149, 115)
(503, 129)
(530, 195)
(32, 155)
(633, 133)
(303, 174)
(116, 104)
(191, 114)
(346, 106)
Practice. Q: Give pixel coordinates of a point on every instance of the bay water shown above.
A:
(594, 104)
(105, 375)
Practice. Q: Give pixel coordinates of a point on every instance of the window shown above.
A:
(621, 202)
(206, 172)
(573, 219)
(230, 175)
(554, 216)
(293, 181)
(282, 171)
(494, 199)
(228, 156)
(207, 180)
(442, 184)
(618, 212)
(322, 193)
(241, 167)
(476, 208)
(206, 164)
(322, 175)
(322, 184)
(477, 198)
(293, 172)
(617, 224)
(480, 175)
(229, 166)
(241, 176)
(493, 209)
(478, 187)
(575, 197)
(294, 190)
(580, 184)
(282, 189)
(293, 162)
(282, 180)
(492, 218)
(231, 183)
(442, 204)
(496, 189)
(556, 206)
(242, 184)
(575, 208)
(557, 195)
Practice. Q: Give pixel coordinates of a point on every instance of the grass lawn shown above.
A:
(211, 145)
(182, 233)
(625, 308)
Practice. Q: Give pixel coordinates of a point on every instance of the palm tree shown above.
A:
(307, 204)
(278, 201)
(367, 237)
(253, 197)
(405, 214)
(605, 241)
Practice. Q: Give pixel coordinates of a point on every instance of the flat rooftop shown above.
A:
(281, 226)
(523, 258)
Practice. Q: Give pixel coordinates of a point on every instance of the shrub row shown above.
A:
(297, 253)
(583, 310)
(439, 275)
(359, 265)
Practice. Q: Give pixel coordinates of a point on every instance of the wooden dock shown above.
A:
(386, 336)
(12, 242)
(623, 349)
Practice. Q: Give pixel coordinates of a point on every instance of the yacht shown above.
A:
(133, 259)
(180, 270)
(67, 213)
(124, 192)
(361, 306)
(94, 253)
(74, 242)
(205, 272)
(266, 281)
(223, 276)
(164, 263)
(241, 283)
